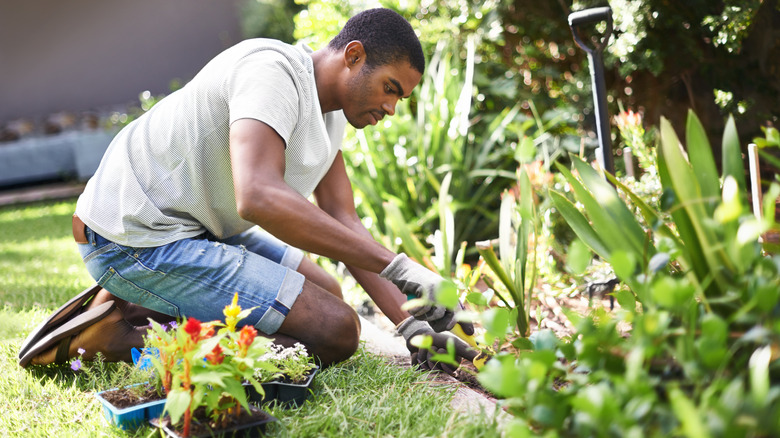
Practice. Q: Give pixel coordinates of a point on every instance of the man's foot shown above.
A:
(101, 328)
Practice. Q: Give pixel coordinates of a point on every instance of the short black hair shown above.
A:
(386, 36)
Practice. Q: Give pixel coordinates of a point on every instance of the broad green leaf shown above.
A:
(686, 186)
(500, 376)
(701, 159)
(580, 224)
(626, 299)
(732, 156)
(213, 377)
(650, 215)
(671, 293)
(496, 321)
(447, 294)
(692, 252)
(578, 258)
(624, 264)
(544, 340)
(176, 404)
(614, 208)
(610, 231)
(686, 412)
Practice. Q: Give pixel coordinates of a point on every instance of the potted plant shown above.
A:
(134, 398)
(131, 406)
(290, 382)
(202, 367)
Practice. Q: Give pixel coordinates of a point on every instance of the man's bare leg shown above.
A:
(314, 273)
(326, 325)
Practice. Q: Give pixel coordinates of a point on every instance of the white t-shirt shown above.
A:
(167, 175)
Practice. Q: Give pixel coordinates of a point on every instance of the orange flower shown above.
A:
(247, 335)
(215, 357)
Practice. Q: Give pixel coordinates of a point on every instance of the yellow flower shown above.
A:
(231, 313)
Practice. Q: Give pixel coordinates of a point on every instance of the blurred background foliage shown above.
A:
(522, 93)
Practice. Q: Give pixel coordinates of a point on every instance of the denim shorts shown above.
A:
(198, 277)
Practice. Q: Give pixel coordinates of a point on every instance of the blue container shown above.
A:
(131, 417)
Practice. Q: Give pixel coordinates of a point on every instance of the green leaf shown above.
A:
(501, 377)
(176, 404)
(701, 159)
(544, 340)
(506, 234)
(686, 412)
(624, 264)
(395, 221)
(579, 224)
(706, 250)
(447, 294)
(422, 341)
(671, 293)
(496, 321)
(650, 215)
(759, 374)
(485, 249)
(526, 150)
(626, 299)
(732, 156)
(610, 214)
(578, 258)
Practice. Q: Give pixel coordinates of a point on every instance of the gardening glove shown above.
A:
(415, 280)
(411, 327)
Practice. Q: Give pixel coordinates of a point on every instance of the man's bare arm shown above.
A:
(264, 198)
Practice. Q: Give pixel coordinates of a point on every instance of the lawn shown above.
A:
(41, 269)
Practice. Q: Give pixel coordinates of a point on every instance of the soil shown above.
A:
(202, 427)
(133, 396)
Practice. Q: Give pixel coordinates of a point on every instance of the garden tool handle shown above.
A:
(587, 16)
(597, 77)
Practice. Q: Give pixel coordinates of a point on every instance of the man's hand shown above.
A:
(415, 280)
(411, 327)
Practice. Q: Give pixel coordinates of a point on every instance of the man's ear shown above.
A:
(354, 54)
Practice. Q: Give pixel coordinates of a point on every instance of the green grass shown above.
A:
(40, 268)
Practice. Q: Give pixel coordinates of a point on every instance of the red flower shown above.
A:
(193, 329)
(215, 357)
(247, 335)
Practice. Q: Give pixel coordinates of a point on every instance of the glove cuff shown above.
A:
(410, 327)
(394, 268)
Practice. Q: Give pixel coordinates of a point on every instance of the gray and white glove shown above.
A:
(418, 282)
(411, 327)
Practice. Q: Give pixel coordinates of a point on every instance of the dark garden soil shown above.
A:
(133, 396)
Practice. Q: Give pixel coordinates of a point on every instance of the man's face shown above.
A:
(372, 94)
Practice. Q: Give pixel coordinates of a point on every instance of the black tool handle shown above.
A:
(590, 16)
(587, 16)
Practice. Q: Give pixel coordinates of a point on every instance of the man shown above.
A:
(168, 224)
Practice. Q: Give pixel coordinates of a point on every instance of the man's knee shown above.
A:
(344, 338)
